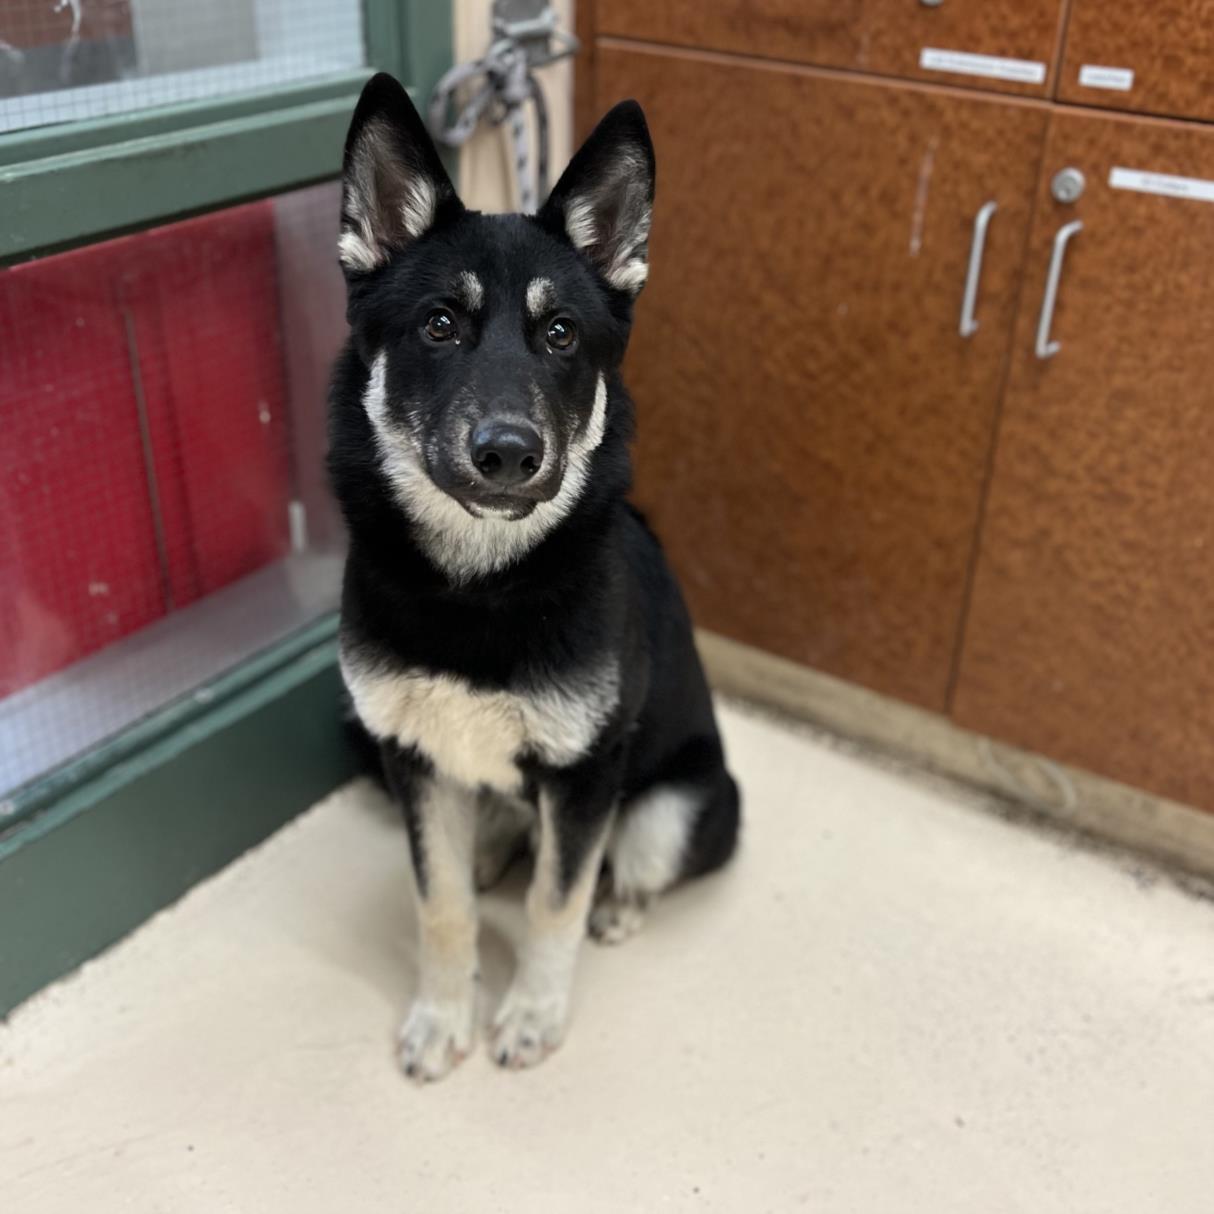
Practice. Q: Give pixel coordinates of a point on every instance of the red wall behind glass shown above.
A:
(143, 443)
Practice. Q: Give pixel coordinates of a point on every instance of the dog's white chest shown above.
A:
(476, 737)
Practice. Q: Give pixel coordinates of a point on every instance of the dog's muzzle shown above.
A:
(506, 453)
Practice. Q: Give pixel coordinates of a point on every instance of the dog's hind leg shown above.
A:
(669, 833)
(645, 856)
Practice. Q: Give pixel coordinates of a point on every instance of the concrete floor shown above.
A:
(893, 1001)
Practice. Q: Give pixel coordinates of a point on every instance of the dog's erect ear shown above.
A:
(394, 187)
(604, 200)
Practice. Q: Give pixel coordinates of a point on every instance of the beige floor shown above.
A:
(892, 1002)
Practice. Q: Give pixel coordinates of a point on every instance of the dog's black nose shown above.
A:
(507, 453)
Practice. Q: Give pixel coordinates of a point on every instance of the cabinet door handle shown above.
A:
(982, 221)
(1045, 347)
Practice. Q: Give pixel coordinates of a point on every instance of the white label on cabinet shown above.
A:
(1026, 71)
(1093, 76)
(1162, 183)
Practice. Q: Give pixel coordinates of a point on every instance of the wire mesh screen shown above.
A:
(162, 501)
(63, 60)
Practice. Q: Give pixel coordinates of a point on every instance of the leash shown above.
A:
(522, 42)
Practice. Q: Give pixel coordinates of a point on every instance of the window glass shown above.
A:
(65, 60)
(163, 509)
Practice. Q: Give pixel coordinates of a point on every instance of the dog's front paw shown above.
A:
(435, 1037)
(527, 1029)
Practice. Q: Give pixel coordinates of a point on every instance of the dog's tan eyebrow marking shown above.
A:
(541, 295)
(469, 291)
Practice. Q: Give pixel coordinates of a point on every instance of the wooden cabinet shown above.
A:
(813, 429)
(1091, 633)
(1014, 527)
(1154, 58)
(1009, 47)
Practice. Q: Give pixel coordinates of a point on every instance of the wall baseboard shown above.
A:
(1178, 836)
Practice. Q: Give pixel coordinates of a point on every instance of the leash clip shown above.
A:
(532, 25)
(499, 85)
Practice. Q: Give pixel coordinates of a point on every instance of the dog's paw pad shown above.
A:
(616, 919)
(526, 1031)
(434, 1038)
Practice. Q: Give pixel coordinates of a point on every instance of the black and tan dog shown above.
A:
(511, 633)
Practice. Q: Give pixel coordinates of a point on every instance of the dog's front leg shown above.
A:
(575, 810)
(441, 821)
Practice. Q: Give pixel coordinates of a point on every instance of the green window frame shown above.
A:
(199, 155)
(90, 850)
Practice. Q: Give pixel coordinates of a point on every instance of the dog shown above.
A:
(511, 635)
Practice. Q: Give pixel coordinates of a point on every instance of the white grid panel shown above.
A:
(67, 60)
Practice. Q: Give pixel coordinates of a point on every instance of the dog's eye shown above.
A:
(440, 325)
(561, 334)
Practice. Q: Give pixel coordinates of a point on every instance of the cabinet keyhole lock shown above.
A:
(1067, 185)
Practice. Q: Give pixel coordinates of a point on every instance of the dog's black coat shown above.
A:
(596, 586)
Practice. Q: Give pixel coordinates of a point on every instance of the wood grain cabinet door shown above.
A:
(813, 428)
(1155, 58)
(1091, 632)
(1009, 46)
